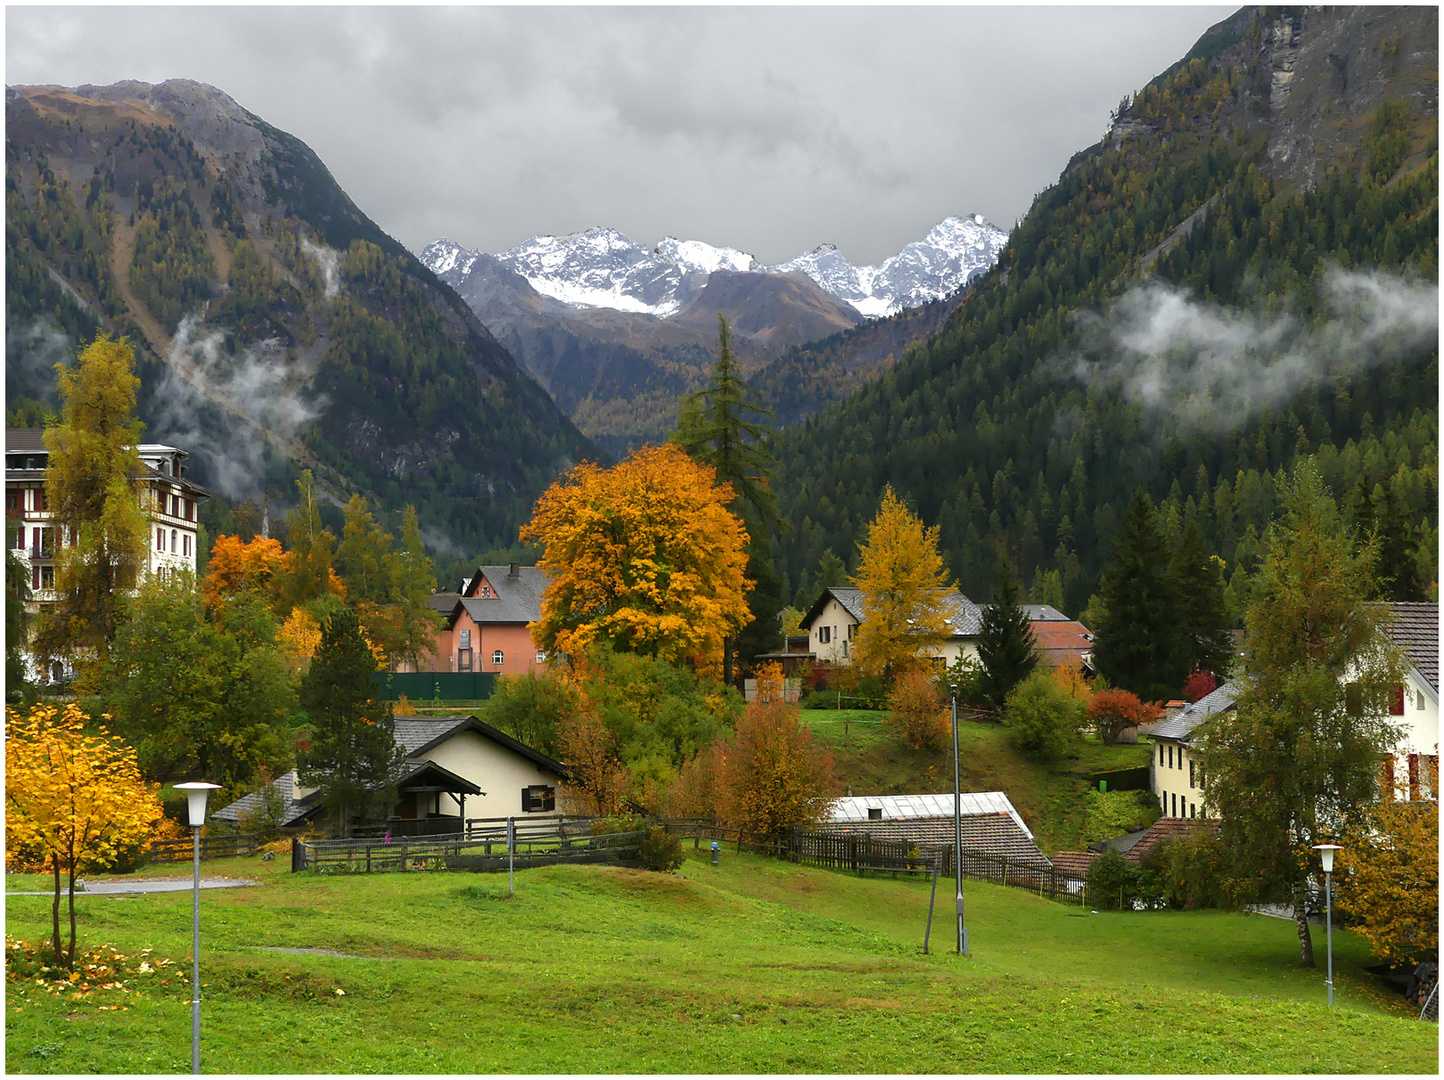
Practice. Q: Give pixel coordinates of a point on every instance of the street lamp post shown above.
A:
(1326, 856)
(196, 793)
(958, 828)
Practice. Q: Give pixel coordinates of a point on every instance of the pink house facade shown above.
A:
(488, 622)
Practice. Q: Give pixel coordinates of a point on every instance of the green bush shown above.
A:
(1186, 873)
(661, 851)
(604, 826)
(1112, 882)
(1042, 718)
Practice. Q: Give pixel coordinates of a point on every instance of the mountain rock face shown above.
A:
(1242, 273)
(618, 332)
(276, 326)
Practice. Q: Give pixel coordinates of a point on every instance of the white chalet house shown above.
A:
(1411, 772)
(832, 621)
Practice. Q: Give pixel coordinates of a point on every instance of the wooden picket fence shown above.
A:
(533, 845)
(863, 854)
(212, 847)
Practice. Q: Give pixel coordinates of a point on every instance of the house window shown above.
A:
(498, 657)
(1396, 707)
(486, 591)
(1190, 773)
(1160, 755)
(160, 539)
(1353, 699)
(1413, 777)
(1170, 755)
(1420, 700)
(186, 545)
(850, 629)
(1191, 807)
(172, 540)
(824, 635)
(541, 657)
(1174, 799)
(538, 798)
(12, 499)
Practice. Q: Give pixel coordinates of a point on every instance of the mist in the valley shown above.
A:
(1198, 365)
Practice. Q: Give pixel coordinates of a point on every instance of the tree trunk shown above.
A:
(71, 964)
(55, 914)
(1301, 917)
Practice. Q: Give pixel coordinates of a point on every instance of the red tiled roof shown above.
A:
(1061, 642)
(1074, 863)
(1164, 829)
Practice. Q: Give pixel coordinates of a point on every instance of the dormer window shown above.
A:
(486, 591)
(874, 813)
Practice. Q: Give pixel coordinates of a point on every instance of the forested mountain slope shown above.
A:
(1244, 270)
(276, 326)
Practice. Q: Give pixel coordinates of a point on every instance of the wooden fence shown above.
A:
(865, 854)
(532, 846)
(212, 847)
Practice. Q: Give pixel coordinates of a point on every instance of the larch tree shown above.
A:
(1296, 762)
(723, 425)
(773, 776)
(1201, 625)
(904, 591)
(353, 756)
(644, 557)
(1007, 648)
(1134, 644)
(310, 552)
(74, 801)
(91, 488)
(1388, 879)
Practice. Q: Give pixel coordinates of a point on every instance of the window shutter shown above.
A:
(549, 802)
(1397, 708)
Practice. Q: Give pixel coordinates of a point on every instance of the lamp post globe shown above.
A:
(197, 792)
(1326, 858)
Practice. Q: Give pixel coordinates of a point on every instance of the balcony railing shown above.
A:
(34, 553)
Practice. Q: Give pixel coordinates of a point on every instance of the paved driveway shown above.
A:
(116, 888)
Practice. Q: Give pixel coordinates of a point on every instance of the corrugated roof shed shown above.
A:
(909, 807)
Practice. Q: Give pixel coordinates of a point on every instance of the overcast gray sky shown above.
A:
(770, 129)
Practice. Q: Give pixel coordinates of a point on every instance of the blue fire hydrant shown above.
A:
(716, 850)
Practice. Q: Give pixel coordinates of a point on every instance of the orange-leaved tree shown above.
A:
(599, 783)
(1388, 879)
(904, 591)
(772, 776)
(644, 556)
(1113, 711)
(237, 568)
(915, 709)
(73, 801)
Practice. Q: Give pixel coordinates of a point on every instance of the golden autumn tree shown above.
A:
(1388, 879)
(73, 801)
(904, 591)
(92, 490)
(600, 784)
(237, 568)
(644, 556)
(298, 638)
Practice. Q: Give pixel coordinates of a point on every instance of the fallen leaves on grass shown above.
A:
(100, 970)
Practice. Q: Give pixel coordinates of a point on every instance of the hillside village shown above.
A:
(1141, 665)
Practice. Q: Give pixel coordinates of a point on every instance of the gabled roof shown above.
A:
(1414, 628)
(1043, 613)
(910, 807)
(25, 440)
(419, 735)
(1074, 863)
(514, 600)
(441, 777)
(292, 809)
(964, 616)
(1180, 726)
(1163, 830)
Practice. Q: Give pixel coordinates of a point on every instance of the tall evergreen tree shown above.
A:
(1202, 626)
(1296, 761)
(353, 757)
(1134, 642)
(723, 425)
(1397, 571)
(1007, 649)
(310, 552)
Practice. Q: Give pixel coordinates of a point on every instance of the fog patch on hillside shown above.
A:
(1195, 364)
(230, 409)
(328, 262)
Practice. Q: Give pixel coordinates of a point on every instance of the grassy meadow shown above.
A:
(753, 966)
(874, 761)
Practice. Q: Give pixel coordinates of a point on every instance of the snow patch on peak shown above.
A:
(694, 256)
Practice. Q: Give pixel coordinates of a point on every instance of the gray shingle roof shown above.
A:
(1182, 723)
(514, 600)
(1043, 613)
(292, 809)
(1415, 629)
(964, 615)
(412, 733)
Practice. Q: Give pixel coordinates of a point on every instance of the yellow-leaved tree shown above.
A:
(644, 556)
(1388, 879)
(237, 568)
(73, 801)
(905, 591)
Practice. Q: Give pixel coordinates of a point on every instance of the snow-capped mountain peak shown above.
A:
(602, 267)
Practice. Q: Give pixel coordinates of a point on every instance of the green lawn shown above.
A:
(873, 761)
(753, 966)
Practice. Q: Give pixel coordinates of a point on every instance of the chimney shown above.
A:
(514, 571)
